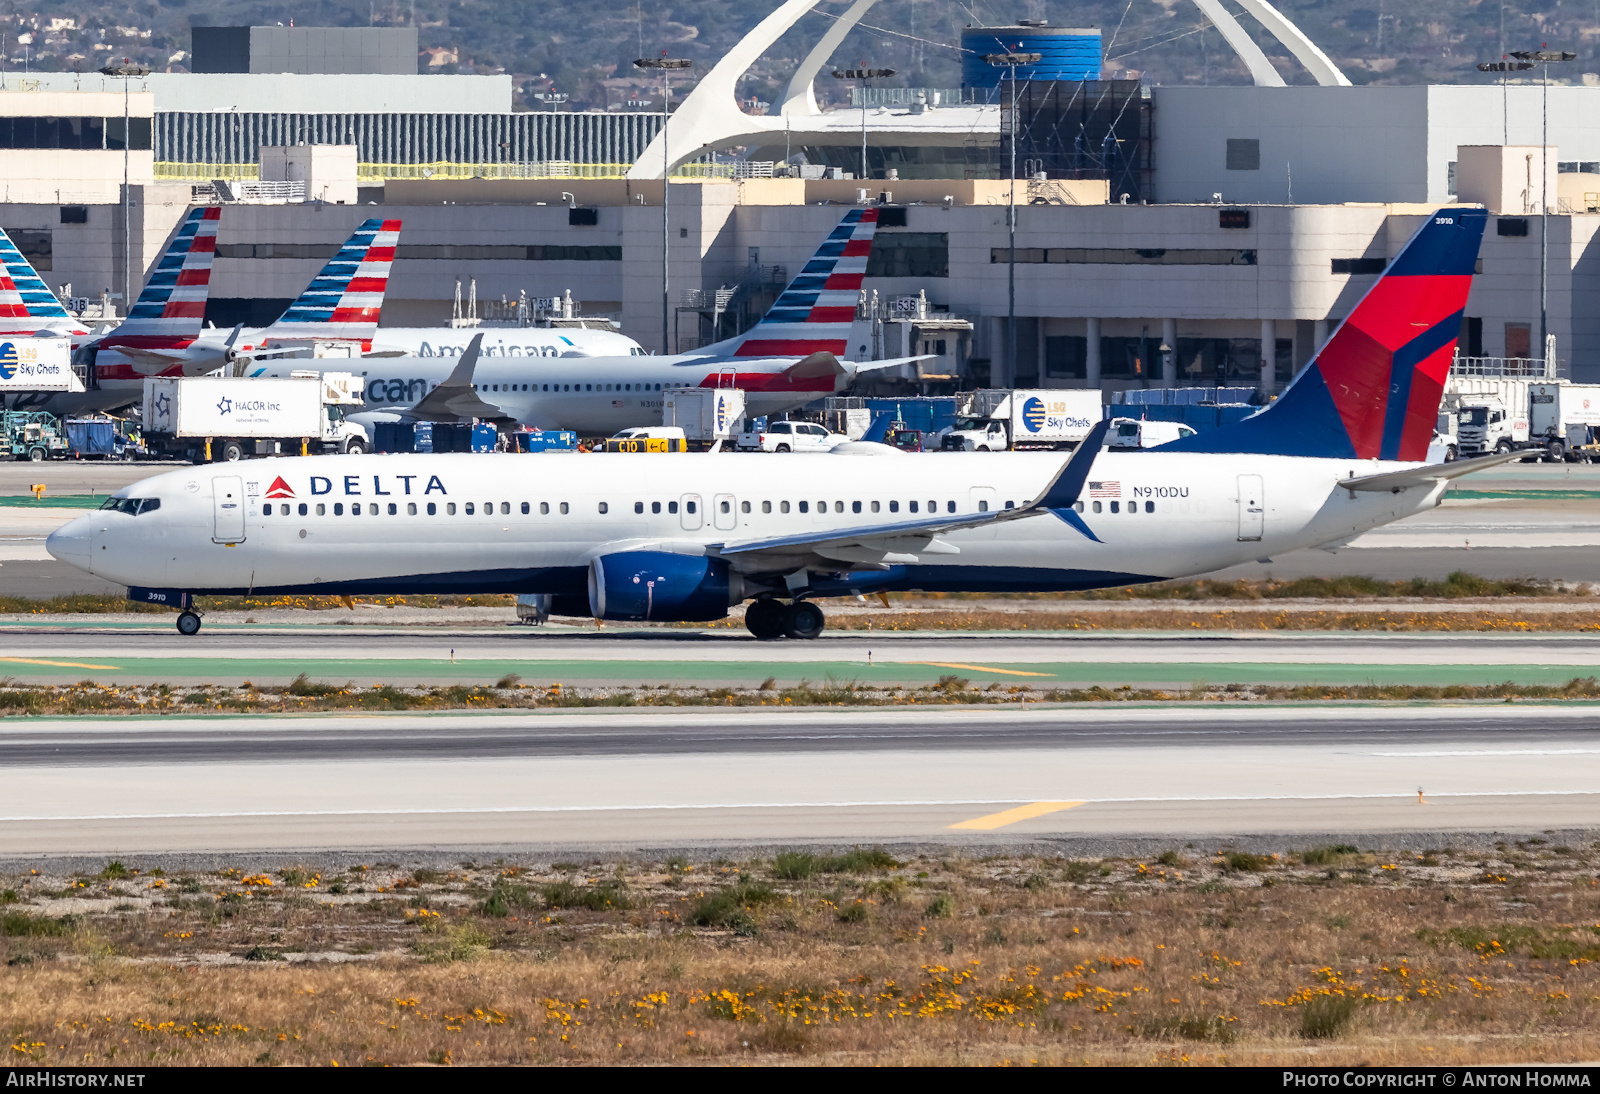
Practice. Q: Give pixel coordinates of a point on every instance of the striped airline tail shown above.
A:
(22, 294)
(815, 312)
(1373, 391)
(343, 301)
(172, 304)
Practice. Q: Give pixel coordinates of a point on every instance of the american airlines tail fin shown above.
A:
(172, 304)
(1373, 391)
(815, 312)
(22, 294)
(342, 302)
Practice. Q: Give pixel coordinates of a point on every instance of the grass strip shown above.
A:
(1205, 952)
(309, 697)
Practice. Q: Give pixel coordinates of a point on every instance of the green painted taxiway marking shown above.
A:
(1535, 495)
(53, 501)
(364, 672)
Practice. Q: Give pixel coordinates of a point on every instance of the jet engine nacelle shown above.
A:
(663, 587)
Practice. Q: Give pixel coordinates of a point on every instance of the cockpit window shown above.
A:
(132, 506)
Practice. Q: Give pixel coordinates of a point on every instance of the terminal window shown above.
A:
(1511, 226)
(910, 254)
(1359, 265)
(36, 246)
(1244, 154)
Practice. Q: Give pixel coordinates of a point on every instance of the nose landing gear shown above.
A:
(767, 618)
(188, 623)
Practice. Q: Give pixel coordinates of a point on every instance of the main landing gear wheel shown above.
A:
(188, 623)
(765, 619)
(803, 620)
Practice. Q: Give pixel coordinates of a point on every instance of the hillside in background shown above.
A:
(585, 50)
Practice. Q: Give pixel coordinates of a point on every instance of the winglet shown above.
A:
(1068, 483)
(456, 398)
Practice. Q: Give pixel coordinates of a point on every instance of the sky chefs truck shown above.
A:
(996, 419)
(204, 418)
(1507, 415)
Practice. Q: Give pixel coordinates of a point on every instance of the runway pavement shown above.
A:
(618, 780)
(48, 651)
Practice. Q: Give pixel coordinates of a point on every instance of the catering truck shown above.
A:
(706, 415)
(224, 418)
(996, 419)
(1551, 418)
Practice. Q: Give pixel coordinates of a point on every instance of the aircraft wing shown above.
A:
(1426, 476)
(881, 545)
(148, 361)
(456, 398)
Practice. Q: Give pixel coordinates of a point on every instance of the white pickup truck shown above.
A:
(790, 437)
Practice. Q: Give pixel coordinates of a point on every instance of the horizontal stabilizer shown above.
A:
(1427, 476)
(821, 363)
(873, 366)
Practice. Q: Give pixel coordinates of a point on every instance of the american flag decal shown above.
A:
(1105, 489)
(815, 312)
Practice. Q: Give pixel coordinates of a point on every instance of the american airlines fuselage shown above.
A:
(534, 524)
(591, 395)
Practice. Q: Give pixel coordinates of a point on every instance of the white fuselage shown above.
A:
(533, 523)
(594, 396)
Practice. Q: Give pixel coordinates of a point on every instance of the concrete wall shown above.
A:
(1339, 143)
(1353, 143)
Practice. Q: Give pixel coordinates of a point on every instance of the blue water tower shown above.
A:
(1066, 53)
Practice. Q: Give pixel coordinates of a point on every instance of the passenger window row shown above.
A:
(566, 387)
(1116, 507)
(488, 508)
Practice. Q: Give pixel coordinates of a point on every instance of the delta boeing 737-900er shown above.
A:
(684, 538)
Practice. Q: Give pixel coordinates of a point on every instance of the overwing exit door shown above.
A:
(1252, 507)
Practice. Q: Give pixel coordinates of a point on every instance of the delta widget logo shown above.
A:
(1033, 415)
(280, 489)
(8, 360)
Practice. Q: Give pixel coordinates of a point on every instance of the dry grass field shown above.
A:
(1198, 955)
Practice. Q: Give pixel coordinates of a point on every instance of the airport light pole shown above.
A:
(126, 71)
(665, 64)
(865, 76)
(1010, 62)
(1545, 58)
(1503, 67)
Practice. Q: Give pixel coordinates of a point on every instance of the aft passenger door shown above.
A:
(724, 513)
(227, 503)
(689, 512)
(1252, 507)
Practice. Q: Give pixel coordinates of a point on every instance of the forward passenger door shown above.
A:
(227, 504)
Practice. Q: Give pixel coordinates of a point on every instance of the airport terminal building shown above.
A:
(1203, 235)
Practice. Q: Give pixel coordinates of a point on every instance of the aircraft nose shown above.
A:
(71, 542)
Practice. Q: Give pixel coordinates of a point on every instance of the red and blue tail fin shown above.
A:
(1373, 391)
(23, 295)
(343, 301)
(172, 304)
(815, 312)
